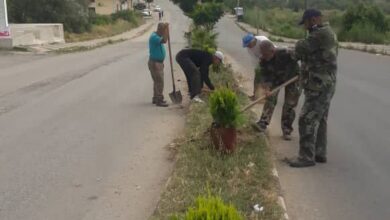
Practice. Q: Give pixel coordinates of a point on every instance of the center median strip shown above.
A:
(245, 179)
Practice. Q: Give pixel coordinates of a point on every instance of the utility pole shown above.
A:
(4, 28)
(257, 20)
(306, 32)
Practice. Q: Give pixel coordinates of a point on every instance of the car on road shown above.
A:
(146, 13)
(157, 9)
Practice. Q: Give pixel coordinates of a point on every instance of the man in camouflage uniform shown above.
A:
(278, 66)
(318, 54)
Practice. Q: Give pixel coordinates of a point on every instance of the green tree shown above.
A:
(72, 13)
(207, 14)
(186, 5)
(364, 23)
(365, 14)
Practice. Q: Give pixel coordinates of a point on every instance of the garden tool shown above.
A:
(272, 92)
(175, 96)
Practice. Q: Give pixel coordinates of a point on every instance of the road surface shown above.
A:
(79, 136)
(354, 184)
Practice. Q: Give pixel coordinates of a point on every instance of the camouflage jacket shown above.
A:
(318, 54)
(279, 69)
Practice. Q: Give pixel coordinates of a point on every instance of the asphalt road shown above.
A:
(79, 136)
(354, 184)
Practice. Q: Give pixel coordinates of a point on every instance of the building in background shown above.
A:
(107, 7)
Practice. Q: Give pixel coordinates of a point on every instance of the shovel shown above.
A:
(175, 96)
(272, 92)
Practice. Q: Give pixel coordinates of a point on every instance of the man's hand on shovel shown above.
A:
(268, 93)
(288, 82)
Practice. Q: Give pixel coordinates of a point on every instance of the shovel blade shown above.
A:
(176, 97)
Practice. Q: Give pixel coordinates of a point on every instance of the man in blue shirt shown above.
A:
(156, 62)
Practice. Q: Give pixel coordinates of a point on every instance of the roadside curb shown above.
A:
(281, 200)
(376, 49)
(92, 44)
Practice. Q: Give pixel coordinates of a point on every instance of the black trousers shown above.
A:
(192, 74)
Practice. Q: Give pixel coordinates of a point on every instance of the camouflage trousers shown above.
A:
(313, 123)
(291, 97)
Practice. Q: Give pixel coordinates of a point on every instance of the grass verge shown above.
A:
(242, 179)
(103, 31)
(284, 22)
(86, 48)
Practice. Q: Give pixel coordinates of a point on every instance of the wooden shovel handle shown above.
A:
(272, 92)
(170, 61)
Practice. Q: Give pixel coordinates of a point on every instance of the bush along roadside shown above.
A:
(362, 23)
(107, 25)
(242, 179)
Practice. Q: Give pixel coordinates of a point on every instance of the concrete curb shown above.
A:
(92, 44)
(281, 200)
(368, 48)
(275, 173)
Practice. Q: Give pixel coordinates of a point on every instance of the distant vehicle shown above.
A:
(146, 13)
(239, 13)
(157, 9)
(140, 6)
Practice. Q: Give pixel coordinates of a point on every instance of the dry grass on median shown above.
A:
(242, 179)
(102, 31)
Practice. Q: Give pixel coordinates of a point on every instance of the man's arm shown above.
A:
(305, 47)
(204, 72)
(165, 34)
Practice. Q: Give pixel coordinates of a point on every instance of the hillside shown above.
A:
(299, 4)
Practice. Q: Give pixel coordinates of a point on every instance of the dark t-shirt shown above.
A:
(202, 60)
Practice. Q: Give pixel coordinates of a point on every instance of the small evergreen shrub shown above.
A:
(224, 108)
(210, 208)
(203, 39)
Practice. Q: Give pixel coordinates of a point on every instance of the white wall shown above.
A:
(35, 34)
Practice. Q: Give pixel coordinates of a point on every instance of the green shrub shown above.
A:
(126, 15)
(186, 5)
(224, 108)
(282, 22)
(363, 32)
(96, 19)
(211, 208)
(203, 39)
(207, 14)
(73, 14)
(367, 14)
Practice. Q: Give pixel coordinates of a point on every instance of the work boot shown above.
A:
(286, 136)
(259, 126)
(162, 103)
(156, 100)
(320, 159)
(301, 163)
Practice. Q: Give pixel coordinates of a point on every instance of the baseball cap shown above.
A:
(219, 55)
(310, 13)
(247, 39)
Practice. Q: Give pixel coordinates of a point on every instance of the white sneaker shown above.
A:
(197, 99)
